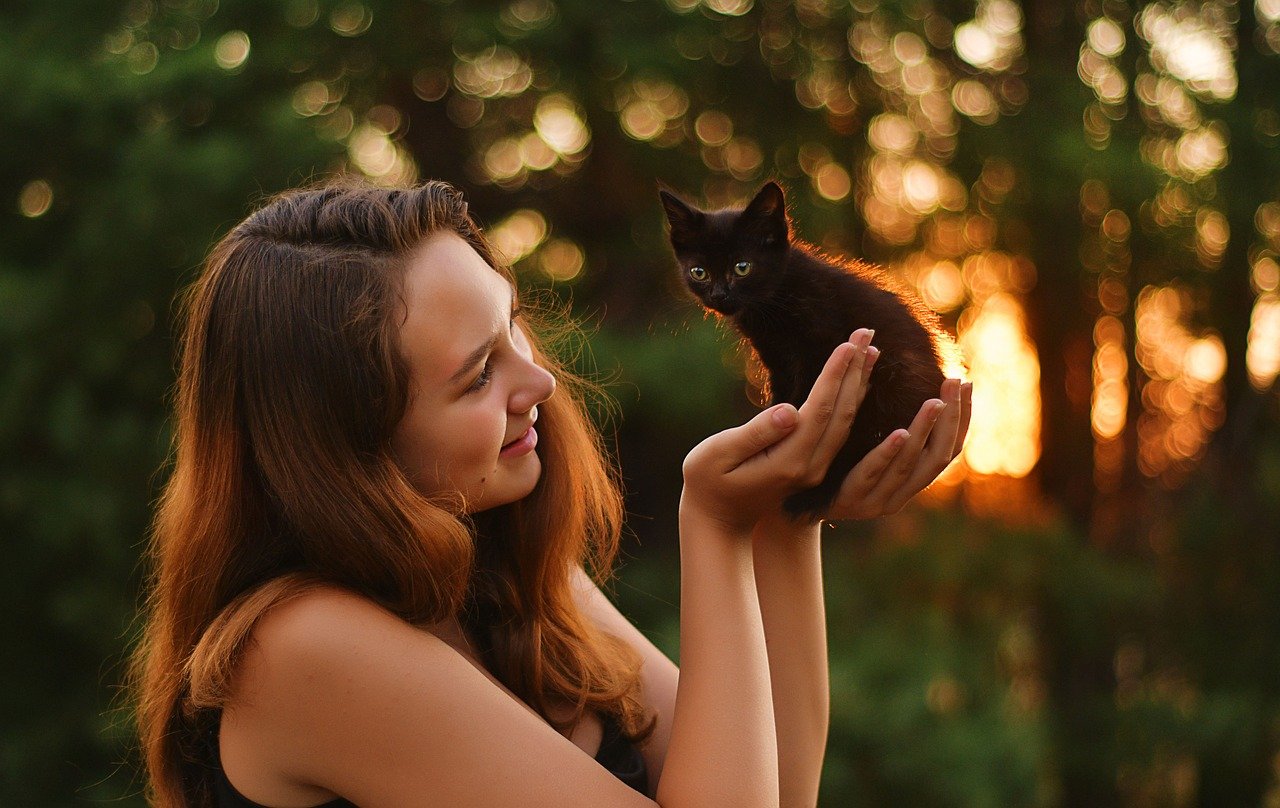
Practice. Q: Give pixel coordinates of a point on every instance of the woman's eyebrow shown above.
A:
(475, 356)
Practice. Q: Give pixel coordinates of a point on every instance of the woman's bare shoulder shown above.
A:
(341, 696)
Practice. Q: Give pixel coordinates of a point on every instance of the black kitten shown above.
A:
(795, 306)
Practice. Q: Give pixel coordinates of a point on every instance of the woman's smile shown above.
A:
(524, 442)
(521, 445)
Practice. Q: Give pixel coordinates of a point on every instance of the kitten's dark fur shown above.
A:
(795, 306)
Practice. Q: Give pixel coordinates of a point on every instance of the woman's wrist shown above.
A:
(707, 520)
(779, 528)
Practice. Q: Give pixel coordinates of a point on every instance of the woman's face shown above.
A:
(475, 387)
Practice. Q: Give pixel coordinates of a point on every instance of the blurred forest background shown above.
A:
(1084, 611)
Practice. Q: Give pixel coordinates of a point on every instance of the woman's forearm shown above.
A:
(723, 747)
(788, 573)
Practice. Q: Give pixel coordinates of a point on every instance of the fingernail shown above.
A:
(899, 439)
(872, 352)
(784, 417)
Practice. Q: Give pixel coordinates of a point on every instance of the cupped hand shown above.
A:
(738, 476)
(909, 459)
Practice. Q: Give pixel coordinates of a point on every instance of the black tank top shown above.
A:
(618, 755)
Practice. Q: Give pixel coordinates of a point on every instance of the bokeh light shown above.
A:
(494, 72)
(560, 124)
(378, 157)
(1193, 47)
(231, 50)
(561, 259)
(1004, 434)
(518, 235)
(993, 39)
(1182, 397)
(1262, 357)
(35, 199)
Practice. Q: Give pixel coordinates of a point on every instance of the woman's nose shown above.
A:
(538, 386)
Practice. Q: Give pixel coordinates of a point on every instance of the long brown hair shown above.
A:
(289, 387)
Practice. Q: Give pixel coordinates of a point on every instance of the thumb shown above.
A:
(764, 430)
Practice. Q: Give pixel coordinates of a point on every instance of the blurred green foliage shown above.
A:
(974, 662)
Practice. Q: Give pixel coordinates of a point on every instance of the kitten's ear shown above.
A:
(766, 214)
(685, 220)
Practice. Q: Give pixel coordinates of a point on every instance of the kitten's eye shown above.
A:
(742, 268)
(698, 273)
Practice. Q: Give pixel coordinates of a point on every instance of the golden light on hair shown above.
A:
(35, 199)
(1004, 434)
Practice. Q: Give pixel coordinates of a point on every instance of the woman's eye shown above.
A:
(698, 273)
(486, 374)
(742, 268)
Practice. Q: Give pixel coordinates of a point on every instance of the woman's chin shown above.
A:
(514, 485)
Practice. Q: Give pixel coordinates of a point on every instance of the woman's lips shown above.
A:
(521, 445)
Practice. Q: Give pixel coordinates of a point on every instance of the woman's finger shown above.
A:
(938, 451)
(940, 448)
(899, 471)
(734, 447)
(851, 500)
(819, 408)
(849, 397)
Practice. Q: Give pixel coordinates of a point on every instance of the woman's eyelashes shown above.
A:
(486, 373)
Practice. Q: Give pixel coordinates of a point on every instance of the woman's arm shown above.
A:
(788, 561)
(788, 572)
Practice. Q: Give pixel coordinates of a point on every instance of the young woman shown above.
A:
(376, 562)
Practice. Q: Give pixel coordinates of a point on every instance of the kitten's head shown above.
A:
(731, 258)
